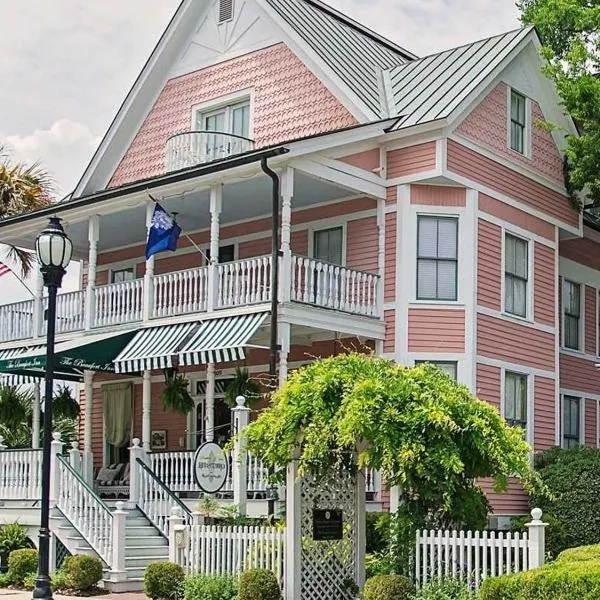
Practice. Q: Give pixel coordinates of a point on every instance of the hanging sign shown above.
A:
(211, 467)
(328, 525)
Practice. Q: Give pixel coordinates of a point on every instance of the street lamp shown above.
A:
(54, 250)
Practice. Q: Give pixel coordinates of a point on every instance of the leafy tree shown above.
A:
(569, 30)
(23, 188)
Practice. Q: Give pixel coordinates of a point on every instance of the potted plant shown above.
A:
(241, 385)
(176, 395)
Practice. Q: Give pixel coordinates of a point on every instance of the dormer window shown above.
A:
(233, 119)
(225, 11)
(518, 122)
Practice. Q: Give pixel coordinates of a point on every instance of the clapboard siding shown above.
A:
(583, 251)
(489, 265)
(591, 320)
(414, 159)
(591, 423)
(389, 344)
(369, 160)
(361, 244)
(544, 284)
(389, 285)
(544, 413)
(579, 374)
(488, 384)
(436, 330)
(514, 501)
(438, 195)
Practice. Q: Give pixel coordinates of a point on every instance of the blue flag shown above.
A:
(163, 233)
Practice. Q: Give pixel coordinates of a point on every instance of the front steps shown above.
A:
(143, 545)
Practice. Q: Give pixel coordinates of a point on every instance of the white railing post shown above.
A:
(119, 517)
(177, 534)
(216, 197)
(56, 449)
(537, 539)
(75, 457)
(135, 452)
(90, 295)
(241, 416)
(88, 458)
(287, 193)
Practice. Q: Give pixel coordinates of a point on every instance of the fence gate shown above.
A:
(330, 529)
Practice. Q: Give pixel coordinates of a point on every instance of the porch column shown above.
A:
(287, 192)
(90, 296)
(216, 198)
(38, 304)
(380, 256)
(148, 305)
(35, 417)
(146, 409)
(285, 334)
(210, 402)
(88, 458)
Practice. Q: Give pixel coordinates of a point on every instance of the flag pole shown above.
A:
(183, 232)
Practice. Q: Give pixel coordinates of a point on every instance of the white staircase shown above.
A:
(144, 545)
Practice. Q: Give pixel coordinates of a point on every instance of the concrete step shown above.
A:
(144, 561)
(144, 551)
(145, 541)
(142, 531)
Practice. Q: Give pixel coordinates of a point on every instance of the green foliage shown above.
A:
(64, 405)
(22, 563)
(573, 510)
(241, 385)
(13, 536)
(206, 587)
(259, 584)
(569, 32)
(378, 564)
(4, 580)
(447, 589)
(415, 425)
(388, 587)
(29, 581)
(176, 395)
(60, 581)
(163, 581)
(83, 572)
(377, 531)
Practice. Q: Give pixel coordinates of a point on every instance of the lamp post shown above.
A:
(54, 250)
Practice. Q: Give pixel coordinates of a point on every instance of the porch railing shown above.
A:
(20, 474)
(180, 293)
(70, 311)
(244, 282)
(16, 321)
(332, 286)
(119, 303)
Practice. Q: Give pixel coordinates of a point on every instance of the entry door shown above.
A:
(328, 247)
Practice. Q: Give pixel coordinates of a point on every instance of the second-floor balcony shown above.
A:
(236, 284)
(193, 148)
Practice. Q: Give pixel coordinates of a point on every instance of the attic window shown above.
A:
(225, 10)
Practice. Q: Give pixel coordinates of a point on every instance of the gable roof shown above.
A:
(356, 54)
(432, 87)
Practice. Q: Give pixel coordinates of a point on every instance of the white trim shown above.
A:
(577, 272)
(471, 313)
(403, 270)
(577, 354)
(557, 323)
(518, 368)
(577, 395)
(581, 349)
(519, 231)
(422, 176)
(530, 378)
(527, 133)
(507, 317)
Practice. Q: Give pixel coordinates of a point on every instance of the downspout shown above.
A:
(273, 346)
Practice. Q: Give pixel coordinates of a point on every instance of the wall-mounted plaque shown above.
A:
(210, 467)
(328, 524)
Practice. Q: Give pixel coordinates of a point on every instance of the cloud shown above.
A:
(64, 150)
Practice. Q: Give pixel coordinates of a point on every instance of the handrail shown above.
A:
(232, 135)
(83, 482)
(161, 484)
(6, 450)
(345, 267)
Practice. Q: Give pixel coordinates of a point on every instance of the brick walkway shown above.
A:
(16, 595)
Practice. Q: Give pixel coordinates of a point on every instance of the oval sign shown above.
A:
(211, 467)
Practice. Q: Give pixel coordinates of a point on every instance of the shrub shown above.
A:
(259, 584)
(29, 581)
(13, 536)
(206, 587)
(447, 589)
(83, 572)
(573, 478)
(60, 581)
(163, 581)
(22, 563)
(377, 564)
(388, 587)
(377, 532)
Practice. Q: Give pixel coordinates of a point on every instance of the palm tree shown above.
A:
(23, 188)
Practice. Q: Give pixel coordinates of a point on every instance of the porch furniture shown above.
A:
(112, 480)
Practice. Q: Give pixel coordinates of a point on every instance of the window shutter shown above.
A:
(225, 10)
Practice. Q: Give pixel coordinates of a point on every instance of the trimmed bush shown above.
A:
(83, 572)
(259, 584)
(163, 581)
(388, 587)
(207, 587)
(22, 563)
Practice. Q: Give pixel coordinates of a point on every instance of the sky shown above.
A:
(67, 65)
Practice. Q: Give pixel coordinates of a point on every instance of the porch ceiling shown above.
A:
(241, 200)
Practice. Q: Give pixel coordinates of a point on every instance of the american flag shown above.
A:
(4, 269)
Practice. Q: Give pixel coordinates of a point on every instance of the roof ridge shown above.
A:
(368, 32)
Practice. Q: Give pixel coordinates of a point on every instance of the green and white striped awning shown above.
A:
(189, 344)
(10, 378)
(220, 340)
(153, 348)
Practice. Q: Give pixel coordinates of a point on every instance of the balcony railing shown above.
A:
(236, 284)
(193, 148)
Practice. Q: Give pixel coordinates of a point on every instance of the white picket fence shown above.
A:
(216, 550)
(474, 556)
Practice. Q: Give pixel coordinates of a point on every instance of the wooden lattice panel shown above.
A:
(329, 568)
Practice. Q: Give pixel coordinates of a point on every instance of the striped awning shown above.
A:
(153, 348)
(10, 378)
(220, 340)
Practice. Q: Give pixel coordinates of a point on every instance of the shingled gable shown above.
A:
(353, 44)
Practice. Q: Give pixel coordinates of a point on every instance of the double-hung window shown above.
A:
(518, 122)
(437, 258)
(446, 366)
(328, 245)
(515, 399)
(572, 314)
(571, 421)
(516, 275)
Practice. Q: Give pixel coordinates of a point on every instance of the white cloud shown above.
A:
(64, 150)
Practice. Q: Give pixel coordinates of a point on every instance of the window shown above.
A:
(437, 258)
(225, 10)
(571, 421)
(121, 275)
(516, 274)
(515, 399)
(328, 245)
(572, 314)
(518, 121)
(233, 119)
(226, 254)
(446, 366)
